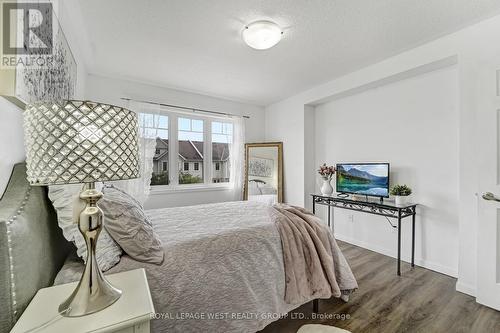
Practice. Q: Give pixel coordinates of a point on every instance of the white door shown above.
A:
(488, 227)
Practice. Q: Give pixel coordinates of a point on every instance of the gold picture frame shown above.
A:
(279, 146)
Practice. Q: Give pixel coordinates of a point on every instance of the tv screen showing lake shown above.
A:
(366, 179)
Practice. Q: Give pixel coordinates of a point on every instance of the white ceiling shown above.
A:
(196, 45)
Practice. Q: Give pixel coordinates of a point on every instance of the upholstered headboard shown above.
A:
(32, 248)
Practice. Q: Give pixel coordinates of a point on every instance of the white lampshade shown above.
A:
(262, 35)
(80, 142)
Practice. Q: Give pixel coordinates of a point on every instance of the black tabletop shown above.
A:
(371, 201)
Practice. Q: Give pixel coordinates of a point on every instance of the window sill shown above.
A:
(167, 189)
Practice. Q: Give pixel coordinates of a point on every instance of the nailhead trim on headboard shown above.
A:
(11, 220)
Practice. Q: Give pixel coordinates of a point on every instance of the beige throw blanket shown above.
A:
(314, 265)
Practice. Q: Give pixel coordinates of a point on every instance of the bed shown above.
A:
(243, 267)
(221, 260)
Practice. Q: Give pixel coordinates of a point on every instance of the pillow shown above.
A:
(68, 205)
(253, 189)
(267, 189)
(129, 226)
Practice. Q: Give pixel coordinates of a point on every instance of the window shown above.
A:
(222, 137)
(196, 137)
(155, 126)
(190, 138)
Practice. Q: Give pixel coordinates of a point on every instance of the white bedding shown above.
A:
(221, 259)
(268, 199)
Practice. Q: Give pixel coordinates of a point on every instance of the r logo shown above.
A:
(27, 28)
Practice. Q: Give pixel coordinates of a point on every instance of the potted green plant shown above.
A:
(326, 173)
(400, 193)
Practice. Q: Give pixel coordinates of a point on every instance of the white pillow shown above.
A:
(267, 189)
(68, 205)
(253, 189)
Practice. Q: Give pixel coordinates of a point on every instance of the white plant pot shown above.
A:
(326, 188)
(401, 200)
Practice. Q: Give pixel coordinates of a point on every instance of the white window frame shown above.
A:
(173, 154)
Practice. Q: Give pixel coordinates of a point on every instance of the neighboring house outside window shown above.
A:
(191, 144)
(191, 139)
(222, 137)
(156, 126)
(161, 156)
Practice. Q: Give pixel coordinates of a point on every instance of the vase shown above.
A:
(400, 200)
(326, 188)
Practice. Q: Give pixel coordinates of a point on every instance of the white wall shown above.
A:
(472, 47)
(11, 125)
(310, 167)
(413, 125)
(111, 90)
(285, 122)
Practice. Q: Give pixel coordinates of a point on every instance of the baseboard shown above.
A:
(466, 288)
(453, 272)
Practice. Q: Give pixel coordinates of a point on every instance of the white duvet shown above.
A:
(268, 199)
(223, 269)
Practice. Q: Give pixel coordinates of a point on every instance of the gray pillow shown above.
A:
(129, 226)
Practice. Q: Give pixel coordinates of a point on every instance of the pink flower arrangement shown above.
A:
(326, 172)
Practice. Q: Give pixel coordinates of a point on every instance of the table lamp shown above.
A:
(82, 142)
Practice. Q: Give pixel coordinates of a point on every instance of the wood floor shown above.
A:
(418, 301)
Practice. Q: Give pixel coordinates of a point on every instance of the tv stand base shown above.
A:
(388, 210)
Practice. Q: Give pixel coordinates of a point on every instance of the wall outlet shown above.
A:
(350, 218)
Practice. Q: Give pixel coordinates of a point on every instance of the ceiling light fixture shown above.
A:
(262, 35)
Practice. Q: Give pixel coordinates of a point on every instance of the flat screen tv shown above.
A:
(370, 179)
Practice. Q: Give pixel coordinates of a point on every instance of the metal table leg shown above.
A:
(329, 215)
(333, 219)
(413, 239)
(399, 242)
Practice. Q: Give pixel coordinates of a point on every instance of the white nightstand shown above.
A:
(130, 314)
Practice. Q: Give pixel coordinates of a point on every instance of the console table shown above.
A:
(387, 209)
